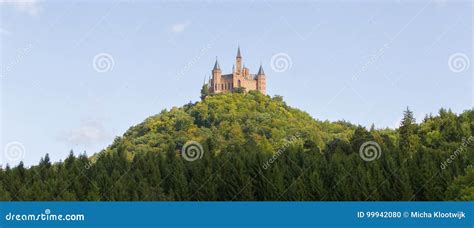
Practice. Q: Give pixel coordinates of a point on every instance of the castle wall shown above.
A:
(249, 84)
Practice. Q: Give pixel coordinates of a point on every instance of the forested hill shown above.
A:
(247, 146)
(232, 120)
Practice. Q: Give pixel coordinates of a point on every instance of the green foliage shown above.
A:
(408, 133)
(204, 91)
(258, 148)
(462, 188)
(239, 90)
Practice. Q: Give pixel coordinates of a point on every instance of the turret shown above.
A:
(261, 80)
(216, 66)
(260, 71)
(245, 71)
(238, 61)
(216, 76)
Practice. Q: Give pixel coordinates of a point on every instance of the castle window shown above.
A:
(239, 84)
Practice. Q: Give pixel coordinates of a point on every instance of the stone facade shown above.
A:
(240, 77)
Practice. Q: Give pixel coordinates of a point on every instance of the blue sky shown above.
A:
(362, 61)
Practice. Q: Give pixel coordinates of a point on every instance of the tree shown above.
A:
(361, 135)
(239, 90)
(94, 192)
(407, 131)
(462, 188)
(204, 91)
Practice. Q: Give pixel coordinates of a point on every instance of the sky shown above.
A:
(76, 74)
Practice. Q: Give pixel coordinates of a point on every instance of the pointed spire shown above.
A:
(205, 77)
(216, 65)
(260, 71)
(238, 52)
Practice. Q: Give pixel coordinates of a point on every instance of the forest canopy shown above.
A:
(256, 147)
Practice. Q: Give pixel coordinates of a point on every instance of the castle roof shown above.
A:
(216, 66)
(260, 71)
(238, 52)
(227, 76)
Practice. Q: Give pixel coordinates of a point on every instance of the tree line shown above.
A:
(255, 148)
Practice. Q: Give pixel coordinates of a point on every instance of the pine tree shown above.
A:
(94, 192)
(408, 141)
(361, 135)
(4, 194)
(461, 188)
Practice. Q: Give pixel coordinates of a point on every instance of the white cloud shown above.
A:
(90, 132)
(180, 27)
(31, 7)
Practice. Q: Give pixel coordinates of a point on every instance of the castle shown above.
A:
(239, 78)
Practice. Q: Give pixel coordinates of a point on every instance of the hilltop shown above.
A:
(231, 120)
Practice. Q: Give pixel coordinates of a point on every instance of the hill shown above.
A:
(247, 146)
(226, 121)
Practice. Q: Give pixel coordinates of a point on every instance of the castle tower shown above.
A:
(261, 80)
(238, 61)
(216, 77)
